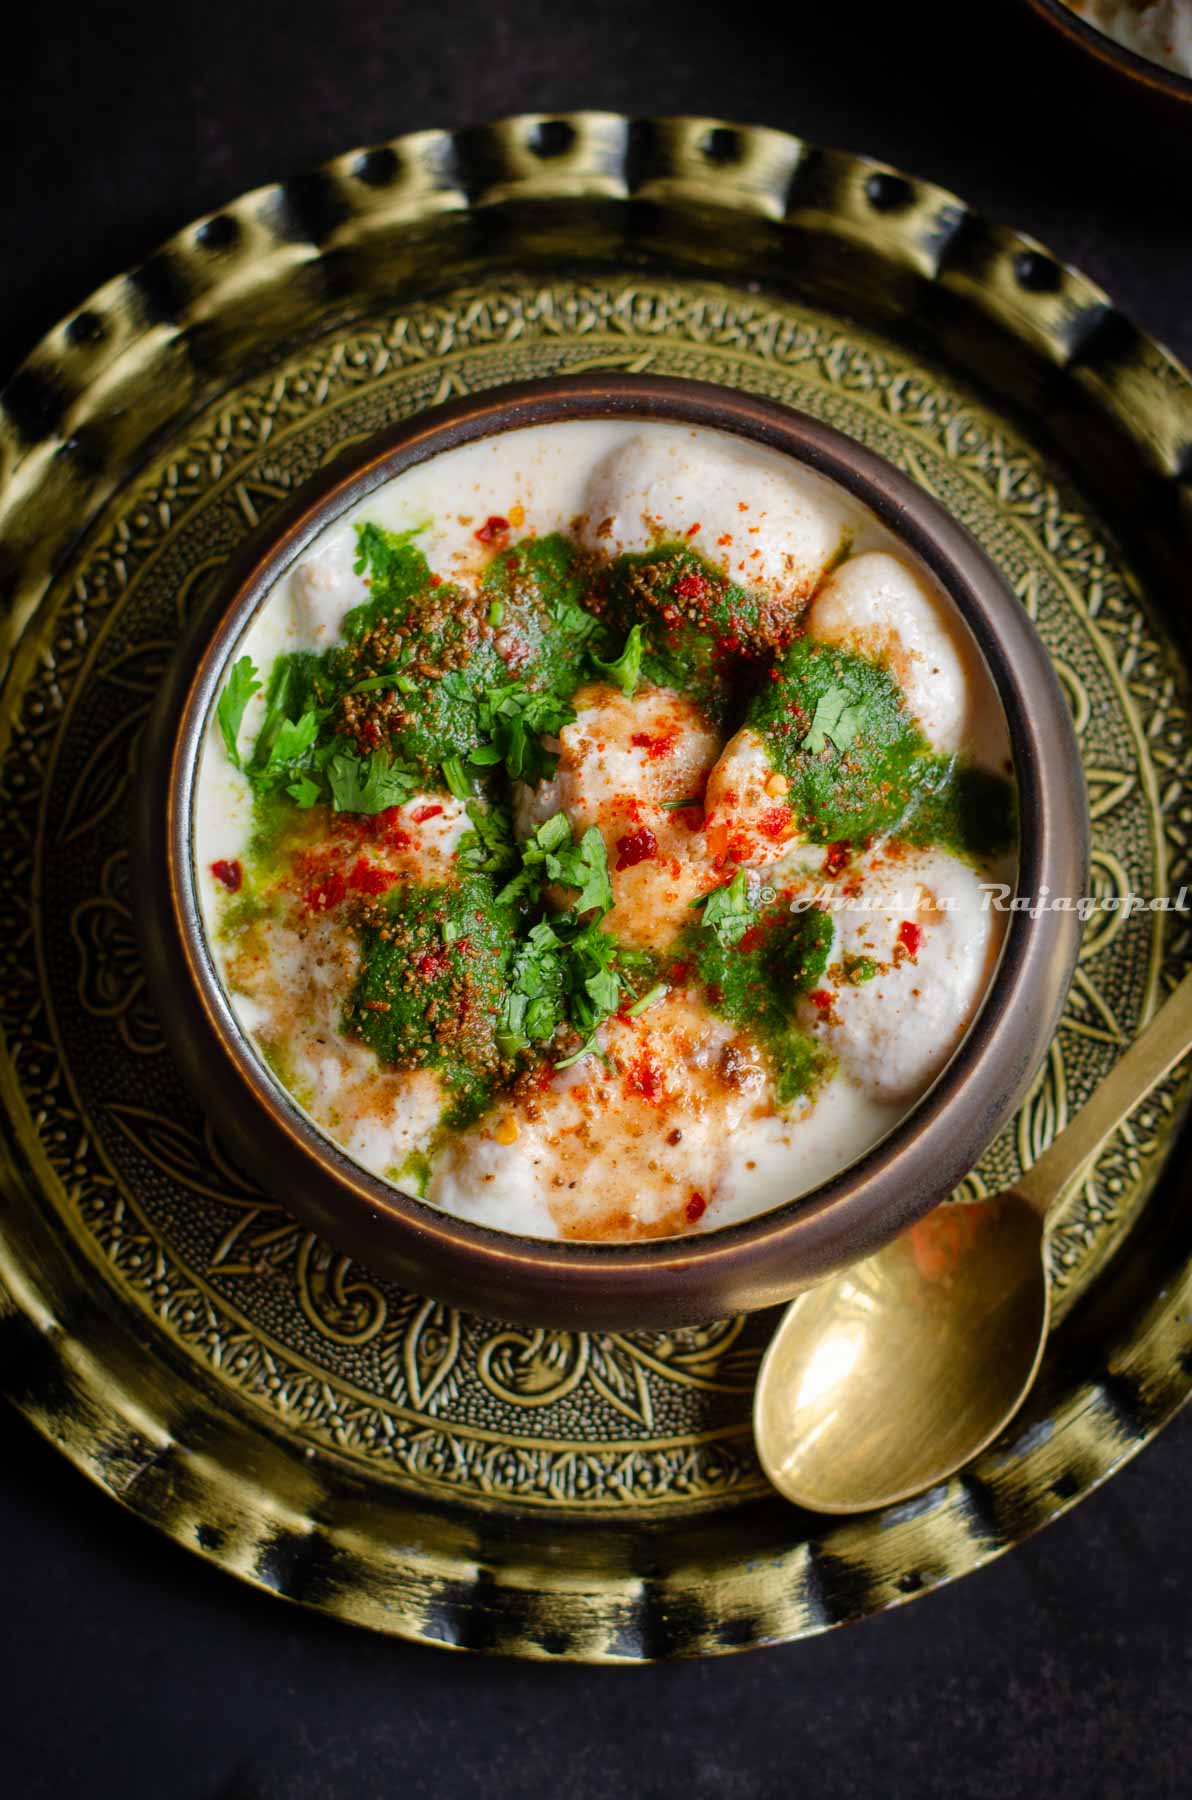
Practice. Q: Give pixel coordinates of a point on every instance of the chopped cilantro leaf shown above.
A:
(550, 855)
(728, 911)
(584, 866)
(368, 784)
(488, 848)
(554, 833)
(513, 717)
(304, 792)
(457, 781)
(603, 989)
(294, 738)
(242, 685)
(836, 717)
(625, 671)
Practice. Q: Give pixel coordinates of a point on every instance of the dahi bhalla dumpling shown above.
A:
(324, 587)
(748, 819)
(877, 606)
(631, 1144)
(762, 527)
(914, 952)
(292, 987)
(623, 764)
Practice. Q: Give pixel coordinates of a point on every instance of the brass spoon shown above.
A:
(888, 1376)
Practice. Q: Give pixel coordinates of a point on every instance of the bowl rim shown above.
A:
(756, 1261)
(1130, 63)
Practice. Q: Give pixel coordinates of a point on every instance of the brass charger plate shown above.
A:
(218, 1369)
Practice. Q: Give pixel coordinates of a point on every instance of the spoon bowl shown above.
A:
(850, 1417)
(889, 1376)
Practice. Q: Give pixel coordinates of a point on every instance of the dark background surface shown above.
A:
(127, 1668)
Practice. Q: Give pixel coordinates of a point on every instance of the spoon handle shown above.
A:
(1156, 1049)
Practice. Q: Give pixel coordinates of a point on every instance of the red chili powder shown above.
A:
(366, 878)
(656, 744)
(636, 847)
(644, 1077)
(429, 963)
(775, 822)
(910, 936)
(326, 893)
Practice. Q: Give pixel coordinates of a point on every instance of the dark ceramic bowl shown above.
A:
(1139, 104)
(677, 1280)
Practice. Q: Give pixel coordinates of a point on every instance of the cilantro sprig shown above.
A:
(243, 683)
(283, 743)
(568, 971)
(551, 855)
(564, 976)
(288, 756)
(514, 719)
